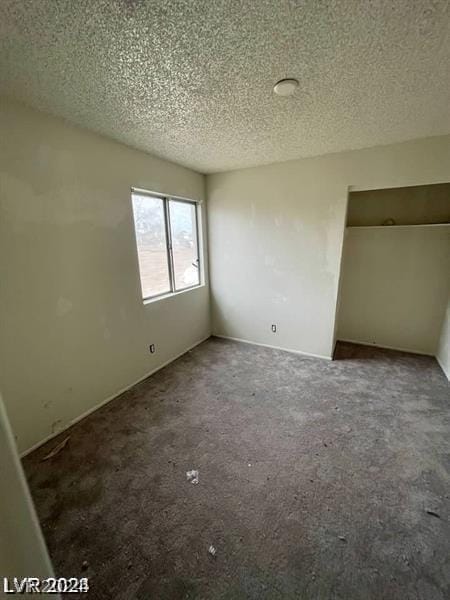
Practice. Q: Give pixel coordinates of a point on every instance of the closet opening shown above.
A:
(395, 273)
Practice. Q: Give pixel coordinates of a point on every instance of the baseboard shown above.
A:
(103, 402)
(384, 346)
(442, 367)
(227, 337)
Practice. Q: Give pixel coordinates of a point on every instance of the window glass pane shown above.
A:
(150, 229)
(184, 244)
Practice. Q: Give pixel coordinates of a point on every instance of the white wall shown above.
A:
(276, 235)
(395, 285)
(22, 547)
(74, 330)
(443, 352)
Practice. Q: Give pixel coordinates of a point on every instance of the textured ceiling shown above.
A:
(191, 80)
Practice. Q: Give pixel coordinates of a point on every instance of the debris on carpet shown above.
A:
(192, 476)
(57, 449)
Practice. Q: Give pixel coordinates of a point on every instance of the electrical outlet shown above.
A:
(274, 328)
(152, 348)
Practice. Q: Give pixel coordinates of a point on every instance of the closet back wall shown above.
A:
(404, 205)
(395, 286)
(74, 330)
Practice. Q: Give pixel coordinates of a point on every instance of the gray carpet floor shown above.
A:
(317, 480)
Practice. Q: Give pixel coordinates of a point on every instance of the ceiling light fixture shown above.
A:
(285, 87)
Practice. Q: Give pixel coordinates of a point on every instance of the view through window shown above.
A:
(167, 244)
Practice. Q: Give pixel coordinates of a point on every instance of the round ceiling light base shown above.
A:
(285, 87)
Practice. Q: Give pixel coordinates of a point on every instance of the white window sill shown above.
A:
(172, 294)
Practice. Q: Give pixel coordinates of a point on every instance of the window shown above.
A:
(167, 243)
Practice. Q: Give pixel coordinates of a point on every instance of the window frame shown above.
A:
(165, 198)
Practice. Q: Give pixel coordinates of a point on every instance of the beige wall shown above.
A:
(74, 330)
(443, 352)
(276, 235)
(395, 285)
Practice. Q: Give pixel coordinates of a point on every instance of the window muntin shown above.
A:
(167, 244)
(183, 231)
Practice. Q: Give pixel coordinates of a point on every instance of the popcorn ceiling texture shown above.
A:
(191, 81)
